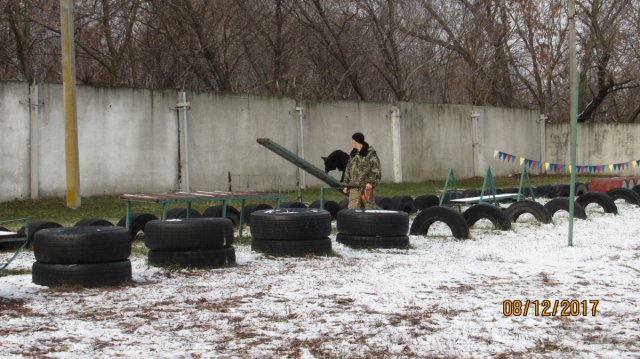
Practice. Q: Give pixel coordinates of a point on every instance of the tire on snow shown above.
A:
(188, 234)
(516, 209)
(599, 198)
(92, 222)
(426, 201)
(562, 203)
(628, 195)
(373, 222)
(81, 245)
(291, 224)
(294, 204)
(332, 206)
(384, 202)
(404, 204)
(277, 248)
(454, 220)
(137, 222)
(486, 211)
(401, 242)
(181, 212)
(87, 275)
(35, 227)
(205, 258)
(250, 208)
(216, 211)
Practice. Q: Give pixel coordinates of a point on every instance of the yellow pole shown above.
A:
(69, 100)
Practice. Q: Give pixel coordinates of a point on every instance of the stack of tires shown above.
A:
(291, 232)
(359, 228)
(190, 242)
(86, 256)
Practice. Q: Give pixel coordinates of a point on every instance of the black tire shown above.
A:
(137, 222)
(216, 211)
(516, 209)
(35, 227)
(449, 195)
(384, 202)
(628, 195)
(453, 219)
(487, 211)
(404, 204)
(344, 203)
(291, 224)
(174, 213)
(544, 190)
(562, 204)
(87, 275)
(581, 189)
(86, 222)
(292, 205)
(401, 242)
(636, 189)
(562, 190)
(79, 245)
(599, 198)
(426, 201)
(250, 208)
(205, 258)
(332, 206)
(470, 193)
(318, 247)
(188, 234)
(373, 222)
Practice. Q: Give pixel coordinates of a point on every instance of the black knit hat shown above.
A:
(358, 137)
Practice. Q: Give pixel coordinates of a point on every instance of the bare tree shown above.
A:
(333, 24)
(600, 62)
(539, 51)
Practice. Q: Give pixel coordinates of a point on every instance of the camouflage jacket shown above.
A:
(363, 167)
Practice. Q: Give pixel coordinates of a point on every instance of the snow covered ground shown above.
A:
(441, 298)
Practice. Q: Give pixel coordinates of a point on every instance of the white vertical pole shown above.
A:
(543, 141)
(69, 100)
(302, 174)
(397, 144)
(183, 114)
(34, 116)
(573, 76)
(475, 117)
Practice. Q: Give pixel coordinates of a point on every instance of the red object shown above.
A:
(602, 184)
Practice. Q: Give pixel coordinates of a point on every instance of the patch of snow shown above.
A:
(441, 297)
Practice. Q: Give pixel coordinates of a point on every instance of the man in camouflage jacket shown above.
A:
(362, 174)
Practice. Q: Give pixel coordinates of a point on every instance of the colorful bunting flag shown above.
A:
(563, 167)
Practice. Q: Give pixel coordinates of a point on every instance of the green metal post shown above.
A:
(446, 185)
(224, 208)
(574, 78)
(165, 206)
(128, 215)
(241, 218)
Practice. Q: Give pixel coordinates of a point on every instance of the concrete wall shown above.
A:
(597, 144)
(14, 146)
(223, 129)
(129, 140)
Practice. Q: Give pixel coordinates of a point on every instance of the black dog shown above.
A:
(337, 160)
